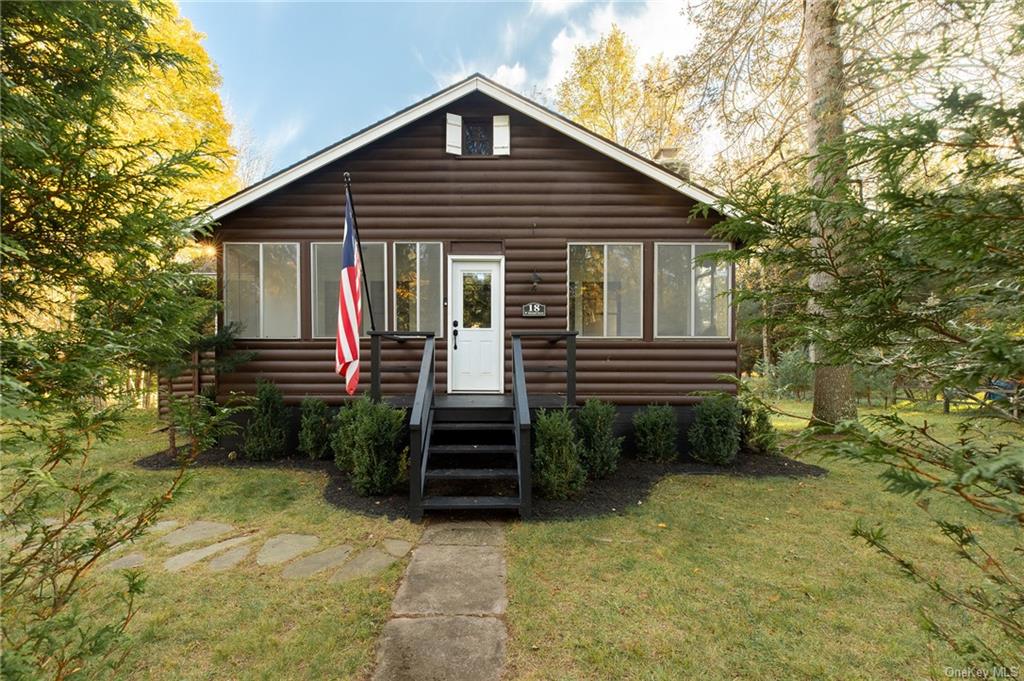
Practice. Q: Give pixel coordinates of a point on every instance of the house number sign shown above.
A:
(535, 310)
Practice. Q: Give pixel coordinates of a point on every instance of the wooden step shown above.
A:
(472, 474)
(463, 503)
(473, 425)
(472, 449)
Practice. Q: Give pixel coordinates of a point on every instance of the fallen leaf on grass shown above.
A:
(662, 525)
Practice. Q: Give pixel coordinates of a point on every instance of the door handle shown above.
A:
(455, 334)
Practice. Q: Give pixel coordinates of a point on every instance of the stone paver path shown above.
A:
(446, 618)
(200, 530)
(132, 560)
(229, 559)
(183, 560)
(317, 562)
(365, 564)
(284, 547)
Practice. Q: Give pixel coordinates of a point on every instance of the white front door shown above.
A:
(475, 324)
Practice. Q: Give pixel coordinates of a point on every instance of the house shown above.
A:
(544, 260)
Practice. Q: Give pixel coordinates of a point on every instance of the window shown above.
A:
(418, 287)
(261, 289)
(326, 273)
(477, 136)
(691, 292)
(606, 290)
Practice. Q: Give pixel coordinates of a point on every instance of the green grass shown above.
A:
(249, 623)
(731, 578)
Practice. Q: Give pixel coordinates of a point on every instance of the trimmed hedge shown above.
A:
(266, 433)
(315, 429)
(557, 471)
(657, 433)
(715, 432)
(600, 450)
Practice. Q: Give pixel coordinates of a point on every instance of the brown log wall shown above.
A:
(550, 191)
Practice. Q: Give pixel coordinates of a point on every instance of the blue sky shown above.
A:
(300, 76)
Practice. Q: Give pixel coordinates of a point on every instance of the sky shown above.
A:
(299, 76)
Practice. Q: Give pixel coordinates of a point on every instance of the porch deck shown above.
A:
(481, 401)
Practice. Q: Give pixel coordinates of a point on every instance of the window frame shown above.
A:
(724, 245)
(312, 284)
(604, 285)
(298, 285)
(442, 282)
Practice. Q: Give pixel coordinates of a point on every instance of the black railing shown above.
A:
(421, 412)
(554, 337)
(521, 412)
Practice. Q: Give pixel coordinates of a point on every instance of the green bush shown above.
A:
(656, 432)
(599, 448)
(715, 432)
(315, 429)
(266, 433)
(343, 433)
(557, 471)
(372, 435)
(757, 435)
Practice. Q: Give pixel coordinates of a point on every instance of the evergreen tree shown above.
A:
(92, 226)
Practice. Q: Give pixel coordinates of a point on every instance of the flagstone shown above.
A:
(162, 526)
(183, 560)
(197, 531)
(284, 547)
(365, 564)
(229, 559)
(125, 562)
(317, 562)
(397, 547)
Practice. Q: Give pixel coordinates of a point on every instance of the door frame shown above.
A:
(498, 300)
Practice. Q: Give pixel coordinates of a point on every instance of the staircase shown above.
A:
(471, 460)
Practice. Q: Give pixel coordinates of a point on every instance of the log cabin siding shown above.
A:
(550, 191)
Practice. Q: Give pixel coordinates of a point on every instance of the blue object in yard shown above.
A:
(1003, 388)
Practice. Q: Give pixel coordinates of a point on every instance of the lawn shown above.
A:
(714, 576)
(729, 577)
(249, 623)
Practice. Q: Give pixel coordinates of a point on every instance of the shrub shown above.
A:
(343, 434)
(266, 433)
(715, 432)
(377, 459)
(757, 435)
(656, 433)
(557, 471)
(315, 429)
(599, 448)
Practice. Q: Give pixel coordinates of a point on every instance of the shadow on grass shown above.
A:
(631, 483)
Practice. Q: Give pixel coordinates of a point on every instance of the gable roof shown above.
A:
(474, 83)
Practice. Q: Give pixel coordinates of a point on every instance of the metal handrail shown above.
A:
(570, 356)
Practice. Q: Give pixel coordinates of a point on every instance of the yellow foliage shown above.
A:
(181, 108)
(605, 92)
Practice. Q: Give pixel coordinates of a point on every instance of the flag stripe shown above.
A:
(350, 305)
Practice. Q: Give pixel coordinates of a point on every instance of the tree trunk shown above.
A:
(172, 431)
(833, 385)
(766, 349)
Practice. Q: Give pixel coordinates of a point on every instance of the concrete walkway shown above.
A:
(446, 618)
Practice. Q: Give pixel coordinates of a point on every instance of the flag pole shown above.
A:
(359, 243)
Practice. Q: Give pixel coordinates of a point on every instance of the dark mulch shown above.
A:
(631, 483)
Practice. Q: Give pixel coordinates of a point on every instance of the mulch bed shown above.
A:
(630, 484)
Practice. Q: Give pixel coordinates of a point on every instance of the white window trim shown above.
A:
(394, 282)
(312, 284)
(298, 284)
(604, 283)
(693, 290)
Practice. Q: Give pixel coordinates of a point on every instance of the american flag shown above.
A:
(350, 305)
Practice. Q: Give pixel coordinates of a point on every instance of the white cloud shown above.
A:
(552, 6)
(658, 28)
(513, 77)
(283, 134)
